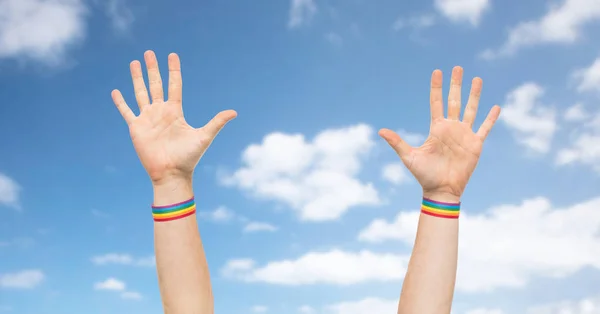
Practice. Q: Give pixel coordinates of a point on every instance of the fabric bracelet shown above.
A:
(440, 209)
(175, 211)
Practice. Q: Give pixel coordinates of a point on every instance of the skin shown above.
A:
(169, 149)
(443, 166)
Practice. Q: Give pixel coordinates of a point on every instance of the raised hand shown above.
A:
(168, 147)
(445, 162)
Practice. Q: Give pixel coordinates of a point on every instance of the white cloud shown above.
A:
(589, 78)
(131, 295)
(576, 113)
(584, 147)
(585, 306)
(485, 311)
(533, 123)
(26, 279)
(116, 285)
(510, 244)
(301, 12)
(414, 22)
(40, 30)
(260, 309)
(365, 306)
(306, 309)
(112, 284)
(119, 14)
(469, 11)
(220, 214)
(259, 226)
(412, 138)
(123, 259)
(395, 173)
(9, 191)
(318, 179)
(332, 267)
(562, 24)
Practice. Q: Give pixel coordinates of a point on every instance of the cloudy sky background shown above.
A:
(303, 209)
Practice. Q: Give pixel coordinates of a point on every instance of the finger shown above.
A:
(487, 125)
(122, 106)
(473, 103)
(154, 80)
(175, 78)
(435, 96)
(139, 86)
(214, 126)
(454, 94)
(396, 142)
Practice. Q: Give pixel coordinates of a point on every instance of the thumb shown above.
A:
(214, 126)
(396, 142)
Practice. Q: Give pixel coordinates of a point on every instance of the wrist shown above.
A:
(172, 190)
(442, 197)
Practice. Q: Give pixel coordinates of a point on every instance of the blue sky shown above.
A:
(303, 209)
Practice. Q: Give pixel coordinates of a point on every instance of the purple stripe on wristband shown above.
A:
(172, 205)
(441, 203)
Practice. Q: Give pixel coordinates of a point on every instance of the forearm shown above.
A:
(183, 274)
(429, 283)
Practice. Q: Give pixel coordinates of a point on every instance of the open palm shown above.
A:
(166, 144)
(445, 162)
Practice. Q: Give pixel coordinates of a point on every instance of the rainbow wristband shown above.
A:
(175, 211)
(440, 209)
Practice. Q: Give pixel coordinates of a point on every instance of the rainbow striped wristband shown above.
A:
(175, 211)
(440, 209)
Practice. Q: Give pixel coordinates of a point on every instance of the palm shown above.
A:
(163, 140)
(165, 143)
(445, 162)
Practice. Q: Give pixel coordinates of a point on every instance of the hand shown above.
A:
(167, 146)
(445, 162)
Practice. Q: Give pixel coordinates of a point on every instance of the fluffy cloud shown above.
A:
(365, 306)
(562, 24)
(589, 78)
(40, 30)
(301, 12)
(26, 279)
(576, 113)
(119, 14)
(116, 285)
(318, 179)
(220, 214)
(533, 124)
(258, 227)
(463, 10)
(123, 259)
(9, 191)
(585, 306)
(395, 173)
(517, 242)
(110, 284)
(584, 147)
(333, 267)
